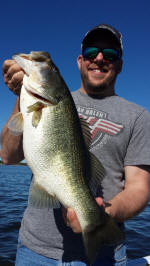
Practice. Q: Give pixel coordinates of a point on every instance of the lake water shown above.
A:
(14, 185)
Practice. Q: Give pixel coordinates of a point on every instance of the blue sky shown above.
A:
(59, 26)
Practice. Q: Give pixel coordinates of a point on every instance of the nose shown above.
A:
(99, 57)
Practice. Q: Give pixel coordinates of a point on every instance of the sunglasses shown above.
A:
(108, 53)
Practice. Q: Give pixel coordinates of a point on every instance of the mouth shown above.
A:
(37, 96)
(98, 70)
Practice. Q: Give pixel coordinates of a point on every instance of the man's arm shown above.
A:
(133, 199)
(125, 204)
(11, 146)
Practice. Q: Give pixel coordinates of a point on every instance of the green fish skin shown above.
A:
(56, 147)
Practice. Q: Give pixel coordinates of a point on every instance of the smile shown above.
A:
(98, 70)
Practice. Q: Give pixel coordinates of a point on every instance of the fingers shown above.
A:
(15, 83)
(99, 201)
(71, 219)
(105, 205)
(6, 65)
(13, 75)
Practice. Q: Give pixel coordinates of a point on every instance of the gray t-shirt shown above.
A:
(120, 136)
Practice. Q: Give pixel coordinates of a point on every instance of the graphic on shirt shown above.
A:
(101, 127)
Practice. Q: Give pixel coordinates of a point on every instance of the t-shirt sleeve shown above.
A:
(138, 151)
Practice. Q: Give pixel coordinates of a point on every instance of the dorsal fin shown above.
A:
(86, 130)
(97, 173)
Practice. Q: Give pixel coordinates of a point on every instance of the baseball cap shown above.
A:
(100, 31)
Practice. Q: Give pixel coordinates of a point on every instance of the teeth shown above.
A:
(96, 70)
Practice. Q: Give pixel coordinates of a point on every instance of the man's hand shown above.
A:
(71, 219)
(13, 76)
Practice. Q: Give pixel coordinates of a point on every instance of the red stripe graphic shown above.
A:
(102, 125)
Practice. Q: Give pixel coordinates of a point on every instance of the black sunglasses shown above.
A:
(108, 53)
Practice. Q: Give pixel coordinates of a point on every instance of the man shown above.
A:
(119, 139)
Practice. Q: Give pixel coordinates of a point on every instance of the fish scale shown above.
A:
(64, 171)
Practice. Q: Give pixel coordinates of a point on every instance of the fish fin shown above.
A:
(36, 108)
(15, 125)
(36, 118)
(108, 233)
(86, 130)
(24, 62)
(39, 198)
(97, 173)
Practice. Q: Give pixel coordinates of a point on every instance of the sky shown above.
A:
(59, 27)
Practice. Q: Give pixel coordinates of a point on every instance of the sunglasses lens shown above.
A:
(110, 54)
(90, 52)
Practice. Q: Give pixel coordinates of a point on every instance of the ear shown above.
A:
(79, 59)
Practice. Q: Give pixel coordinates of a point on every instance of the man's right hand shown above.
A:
(71, 219)
(13, 76)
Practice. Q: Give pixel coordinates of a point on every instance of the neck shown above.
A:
(98, 93)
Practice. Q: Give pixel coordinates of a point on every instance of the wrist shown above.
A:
(18, 103)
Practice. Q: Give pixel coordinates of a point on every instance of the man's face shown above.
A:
(98, 75)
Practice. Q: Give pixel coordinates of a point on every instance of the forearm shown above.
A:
(131, 201)
(125, 204)
(11, 146)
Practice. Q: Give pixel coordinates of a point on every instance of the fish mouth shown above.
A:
(39, 97)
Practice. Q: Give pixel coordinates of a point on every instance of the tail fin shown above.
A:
(108, 233)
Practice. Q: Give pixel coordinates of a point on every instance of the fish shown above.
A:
(56, 146)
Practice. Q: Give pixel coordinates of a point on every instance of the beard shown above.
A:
(103, 88)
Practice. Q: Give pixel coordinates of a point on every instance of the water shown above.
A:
(14, 185)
